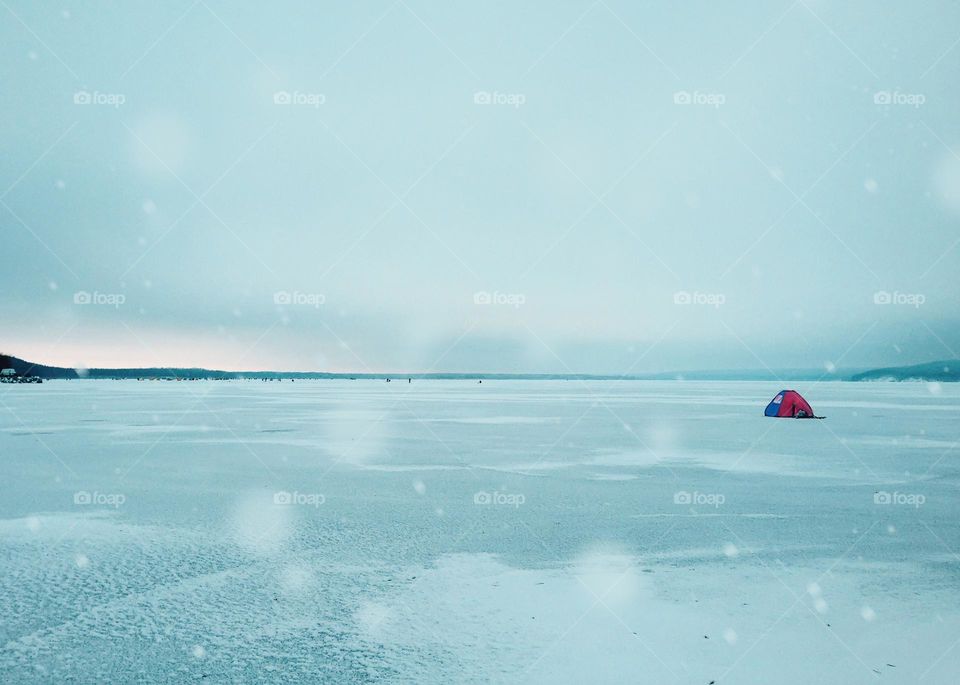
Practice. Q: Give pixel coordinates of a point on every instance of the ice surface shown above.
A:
(447, 531)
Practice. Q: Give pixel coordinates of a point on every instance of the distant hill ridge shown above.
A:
(946, 370)
(932, 371)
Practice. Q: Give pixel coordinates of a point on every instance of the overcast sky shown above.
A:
(451, 186)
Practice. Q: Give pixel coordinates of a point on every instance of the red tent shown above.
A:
(789, 404)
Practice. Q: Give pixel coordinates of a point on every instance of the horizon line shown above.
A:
(767, 373)
(811, 372)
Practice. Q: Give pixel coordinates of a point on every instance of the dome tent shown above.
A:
(790, 404)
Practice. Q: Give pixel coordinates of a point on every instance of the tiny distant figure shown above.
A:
(388, 380)
(480, 381)
(409, 380)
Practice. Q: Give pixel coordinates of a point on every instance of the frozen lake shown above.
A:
(444, 531)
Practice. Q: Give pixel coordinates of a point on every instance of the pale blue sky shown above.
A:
(814, 169)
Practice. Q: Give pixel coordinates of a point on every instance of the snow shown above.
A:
(446, 531)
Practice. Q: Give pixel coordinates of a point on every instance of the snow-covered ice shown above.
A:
(445, 531)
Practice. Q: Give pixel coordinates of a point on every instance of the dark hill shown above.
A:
(947, 370)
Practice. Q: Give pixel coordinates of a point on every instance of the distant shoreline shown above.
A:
(940, 371)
